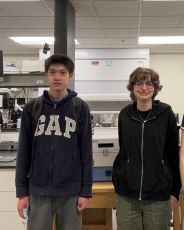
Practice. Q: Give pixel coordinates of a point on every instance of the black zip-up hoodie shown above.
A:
(147, 166)
(56, 159)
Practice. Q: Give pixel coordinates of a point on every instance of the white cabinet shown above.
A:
(106, 71)
(9, 219)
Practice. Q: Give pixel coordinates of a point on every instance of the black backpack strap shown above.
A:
(37, 109)
(77, 107)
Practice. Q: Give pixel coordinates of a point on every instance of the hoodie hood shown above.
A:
(157, 109)
(48, 100)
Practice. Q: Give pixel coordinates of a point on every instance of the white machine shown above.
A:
(104, 153)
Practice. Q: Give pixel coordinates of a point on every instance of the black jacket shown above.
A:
(56, 159)
(147, 166)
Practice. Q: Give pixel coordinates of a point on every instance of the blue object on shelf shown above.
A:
(102, 173)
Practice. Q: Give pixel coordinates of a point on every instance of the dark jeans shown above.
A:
(64, 208)
(143, 215)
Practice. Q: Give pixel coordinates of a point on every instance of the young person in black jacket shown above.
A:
(54, 162)
(146, 170)
(182, 154)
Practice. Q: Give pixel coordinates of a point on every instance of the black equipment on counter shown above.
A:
(8, 154)
(1, 66)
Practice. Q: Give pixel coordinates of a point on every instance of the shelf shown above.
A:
(105, 97)
(23, 80)
(102, 112)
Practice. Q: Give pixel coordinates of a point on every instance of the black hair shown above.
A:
(59, 59)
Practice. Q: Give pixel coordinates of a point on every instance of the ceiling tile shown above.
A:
(9, 22)
(147, 22)
(2, 12)
(123, 46)
(94, 46)
(36, 22)
(99, 23)
(83, 8)
(158, 8)
(156, 32)
(49, 4)
(121, 32)
(181, 24)
(119, 22)
(89, 33)
(26, 32)
(120, 8)
(93, 41)
(87, 22)
(179, 31)
(25, 8)
(124, 41)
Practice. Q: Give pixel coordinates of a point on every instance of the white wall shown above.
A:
(171, 71)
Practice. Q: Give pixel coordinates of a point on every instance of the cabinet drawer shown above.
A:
(7, 178)
(8, 201)
(11, 221)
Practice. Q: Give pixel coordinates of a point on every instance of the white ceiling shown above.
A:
(99, 24)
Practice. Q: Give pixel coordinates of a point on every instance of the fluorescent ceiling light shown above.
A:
(76, 42)
(36, 40)
(162, 0)
(20, 0)
(161, 40)
(33, 40)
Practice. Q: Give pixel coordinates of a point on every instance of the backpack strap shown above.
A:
(37, 109)
(77, 107)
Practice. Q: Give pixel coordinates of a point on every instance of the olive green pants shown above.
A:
(143, 215)
(43, 209)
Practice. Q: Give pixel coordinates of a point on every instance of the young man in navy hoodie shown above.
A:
(54, 161)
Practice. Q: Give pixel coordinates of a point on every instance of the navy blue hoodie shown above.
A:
(56, 159)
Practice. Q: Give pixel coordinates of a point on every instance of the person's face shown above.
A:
(58, 77)
(143, 90)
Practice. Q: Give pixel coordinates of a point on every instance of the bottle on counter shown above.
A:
(18, 123)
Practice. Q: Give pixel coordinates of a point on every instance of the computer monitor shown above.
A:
(4, 100)
(1, 66)
(21, 101)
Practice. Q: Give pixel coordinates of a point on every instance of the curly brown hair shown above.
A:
(141, 74)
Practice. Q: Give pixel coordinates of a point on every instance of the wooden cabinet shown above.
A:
(98, 215)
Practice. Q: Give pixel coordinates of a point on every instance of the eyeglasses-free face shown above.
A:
(148, 84)
(58, 77)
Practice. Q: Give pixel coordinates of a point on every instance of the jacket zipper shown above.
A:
(52, 151)
(51, 160)
(142, 158)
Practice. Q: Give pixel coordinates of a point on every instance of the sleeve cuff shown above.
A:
(86, 191)
(22, 191)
